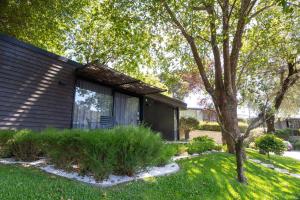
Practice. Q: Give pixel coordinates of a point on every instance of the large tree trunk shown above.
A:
(228, 141)
(230, 124)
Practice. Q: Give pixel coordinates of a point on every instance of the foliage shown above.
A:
(42, 23)
(255, 133)
(121, 150)
(270, 143)
(5, 137)
(25, 145)
(202, 144)
(177, 148)
(284, 133)
(188, 123)
(214, 126)
(207, 177)
(297, 145)
(270, 46)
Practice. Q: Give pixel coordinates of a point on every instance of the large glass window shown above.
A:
(126, 109)
(93, 106)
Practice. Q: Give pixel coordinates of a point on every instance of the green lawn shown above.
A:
(282, 162)
(207, 177)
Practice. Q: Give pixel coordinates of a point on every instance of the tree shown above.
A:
(41, 23)
(273, 57)
(211, 34)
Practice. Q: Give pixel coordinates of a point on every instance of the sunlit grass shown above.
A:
(282, 162)
(210, 176)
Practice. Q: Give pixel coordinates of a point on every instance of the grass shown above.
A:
(279, 161)
(210, 176)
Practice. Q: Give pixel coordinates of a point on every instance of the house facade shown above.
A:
(39, 89)
(200, 114)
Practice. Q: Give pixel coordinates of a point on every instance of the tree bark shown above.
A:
(228, 141)
(240, 161)
(270, 121)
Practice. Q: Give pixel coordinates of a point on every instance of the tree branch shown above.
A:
(216, 52)
(194, 49)
(261, 10)
(245, 8)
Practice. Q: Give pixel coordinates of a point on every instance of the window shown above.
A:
(93, 106)
(126, 109)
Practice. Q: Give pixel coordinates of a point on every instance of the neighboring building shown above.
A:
(200, 114)
(293, 123)
(39, 89)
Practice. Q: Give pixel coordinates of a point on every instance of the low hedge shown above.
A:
(122, 150)
(214, 126)
(202, 144)
(5, 138)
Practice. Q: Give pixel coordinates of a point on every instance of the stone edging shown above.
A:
(270, 166)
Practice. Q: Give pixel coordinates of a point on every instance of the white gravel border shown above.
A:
(271, 166)
(112, 179)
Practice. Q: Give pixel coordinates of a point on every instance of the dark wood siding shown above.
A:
(36, 90)
(159, 117)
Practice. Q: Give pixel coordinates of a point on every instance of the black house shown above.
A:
(39, 89)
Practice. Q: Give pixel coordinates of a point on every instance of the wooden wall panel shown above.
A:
(36, 87)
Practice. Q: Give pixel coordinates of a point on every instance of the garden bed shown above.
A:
(110, 181)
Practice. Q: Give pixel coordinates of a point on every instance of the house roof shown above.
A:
(102, 74)
(108, 76)
(168, 100)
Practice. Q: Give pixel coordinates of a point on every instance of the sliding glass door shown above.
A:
(96, 106)
(93, 106)
(126, 109)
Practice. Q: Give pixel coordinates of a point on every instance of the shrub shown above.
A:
(297, 145)
(25, 145)
(284, 133)
(214, 126)
(177, 148)
(201, 144)
(255, 133)
(122, 150)
(135, 148)
(188, 124)
(270, 143)
(5, 137)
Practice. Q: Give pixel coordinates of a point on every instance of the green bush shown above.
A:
(202, 144)
(284, 133)
(121, 150)
(5, 138)
(25, 145)
(297, 145)
(188, 124)
(177, 148)
(135, 148)
(214, 126)
(255, 133)
(270, 143)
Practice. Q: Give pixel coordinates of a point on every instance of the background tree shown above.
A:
(270, 63)
(211, 33)
(41, 23)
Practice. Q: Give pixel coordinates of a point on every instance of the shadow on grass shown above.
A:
(210, 176)
(282, 162)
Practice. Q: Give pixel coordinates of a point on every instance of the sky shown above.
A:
(243, 112)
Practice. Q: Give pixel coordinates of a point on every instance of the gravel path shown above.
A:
(292, 154)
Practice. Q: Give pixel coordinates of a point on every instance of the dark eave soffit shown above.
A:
(108, 76)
